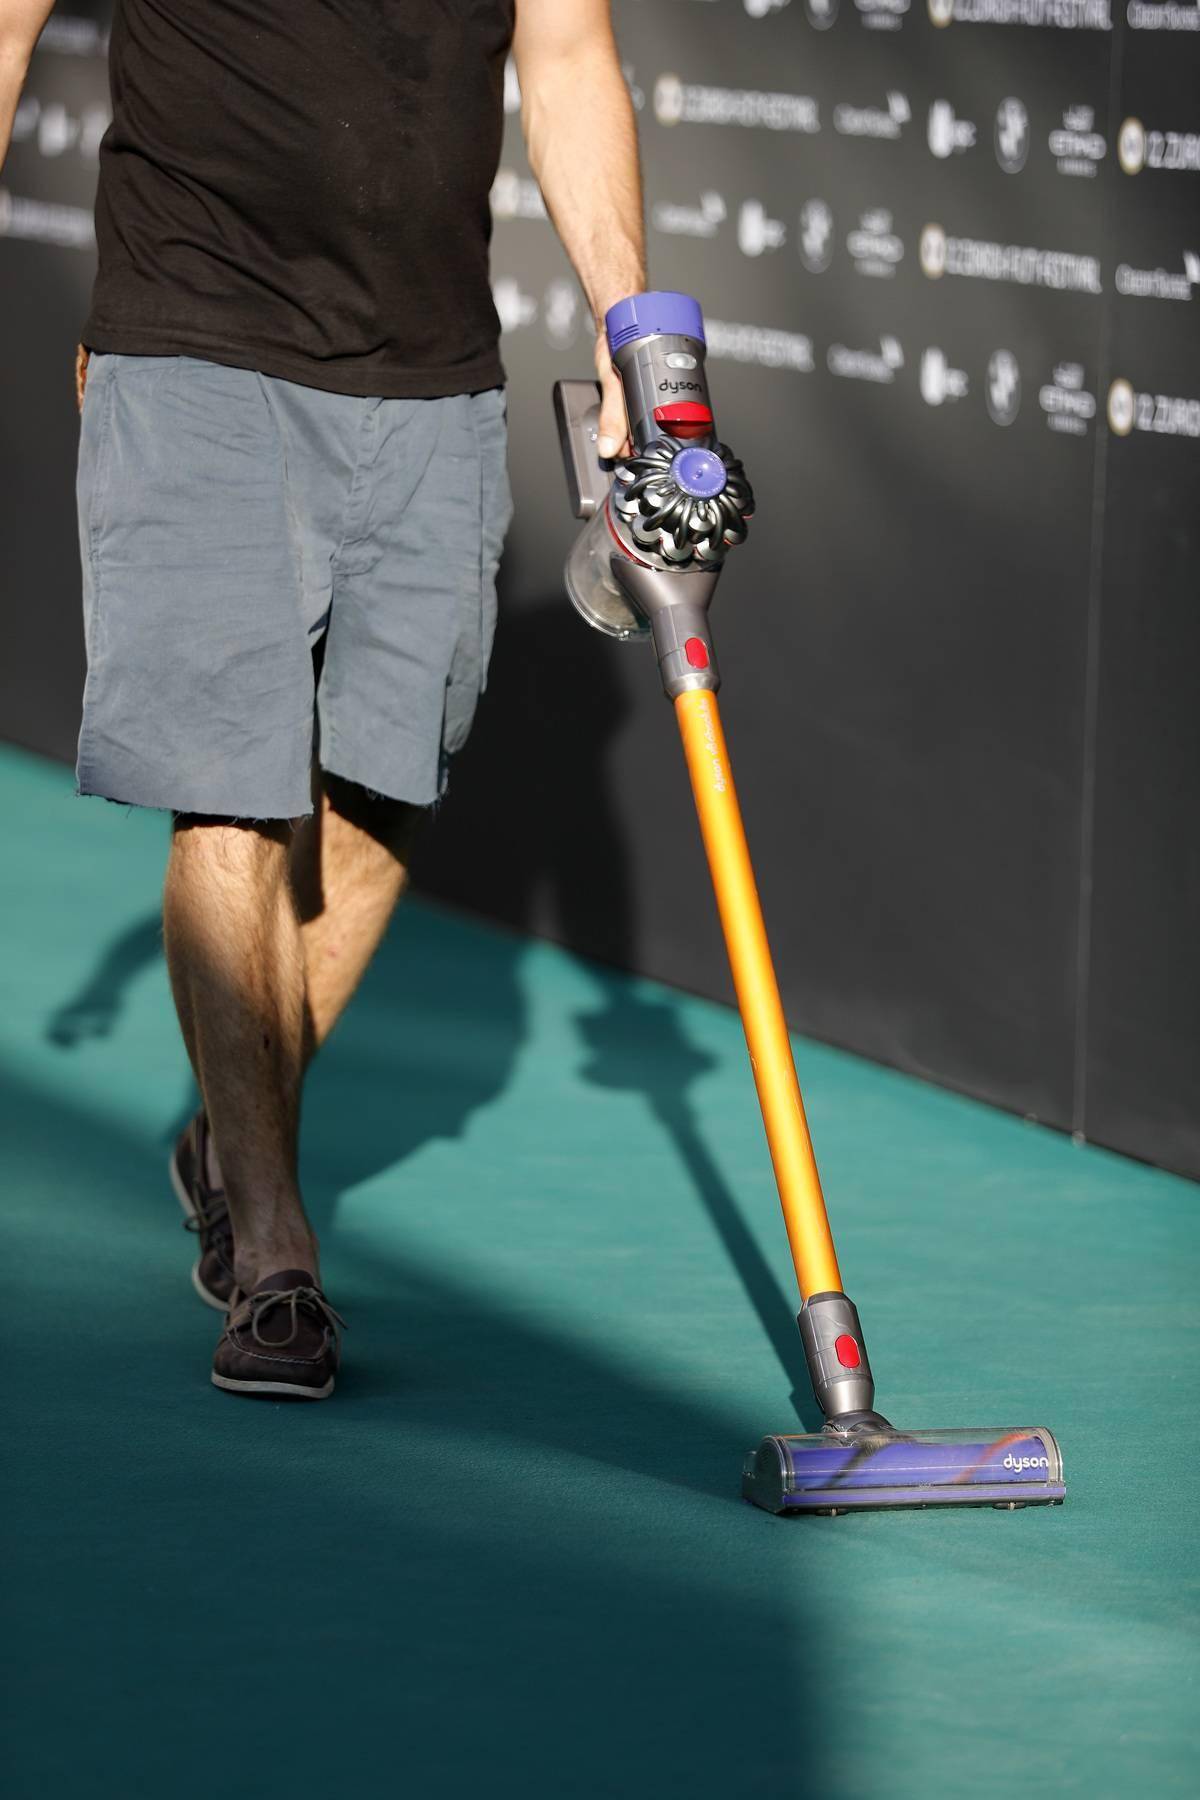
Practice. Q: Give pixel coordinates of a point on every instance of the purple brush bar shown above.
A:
(831, 1471)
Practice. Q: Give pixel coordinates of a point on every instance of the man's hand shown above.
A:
(582, 142)
(21, 24)
(614, 424)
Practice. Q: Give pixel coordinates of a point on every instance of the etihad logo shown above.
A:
(1067, 404)
(1139, 148)
(939, 382)
(1044, 15)
(701, 221)
(1020, 1463)
(46, 222)
(516, 196)
(1075, 145)
(873, 121)
(816, 236)
(1011, 136)
(1002, 388)
(977, 259)
(1167, 415)
(948, 136)
(756, 231)
(1159, 284)
(880, 365)
(679, 102)
(761, 344)
(874, 248)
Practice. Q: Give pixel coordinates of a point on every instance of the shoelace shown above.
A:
(310, 1298)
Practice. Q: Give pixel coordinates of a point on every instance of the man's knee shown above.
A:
(390, 823)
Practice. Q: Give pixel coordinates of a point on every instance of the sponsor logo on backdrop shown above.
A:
(73, 36)
(939, 382)
(516, 196)
(562, 310)
(43, 222)
(1002, 388)
(515, 308)
(1160, 284)
(679, 102)
(821, 13)
(873, 121)
(1045, 15)
(757, 231)
(932, 252)
(1067, 404)
(758, 9)
(1011, 136)
(1163, 15)
(880, 365)
(760, 344)
(1140, 148)
(701, 221)
(1167, 415)
(976, 259)
(1076, 146)
(1131, 146)
(873, 245)
(882, 15)
(948, 135)
(816, 236)
(55, 130)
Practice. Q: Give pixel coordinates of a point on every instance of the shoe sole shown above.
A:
(291, 1388)
(185, 1200)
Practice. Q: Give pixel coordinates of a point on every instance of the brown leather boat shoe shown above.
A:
(206, 1213)
(280, 1339)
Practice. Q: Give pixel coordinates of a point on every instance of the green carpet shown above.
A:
(509, 1556)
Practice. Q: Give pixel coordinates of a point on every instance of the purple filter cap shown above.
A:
(646, 315)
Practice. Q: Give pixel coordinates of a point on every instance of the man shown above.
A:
(292, 499)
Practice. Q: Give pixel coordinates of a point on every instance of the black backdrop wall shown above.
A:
(950, 256)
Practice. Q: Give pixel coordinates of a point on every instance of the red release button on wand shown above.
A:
(696, 651)
(847, 1352)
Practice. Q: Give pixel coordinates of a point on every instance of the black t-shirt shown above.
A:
(301, 187)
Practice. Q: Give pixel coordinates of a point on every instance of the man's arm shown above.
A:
(582, 142)
(21, 24)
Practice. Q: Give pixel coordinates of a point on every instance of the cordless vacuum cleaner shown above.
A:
(659, 525)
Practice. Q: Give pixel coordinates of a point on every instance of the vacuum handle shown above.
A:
(758, 994)
(577, 414)
(656, 341)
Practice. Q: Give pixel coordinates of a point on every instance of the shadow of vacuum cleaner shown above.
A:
(645, 566)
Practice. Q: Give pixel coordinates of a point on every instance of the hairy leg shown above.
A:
(237, 965)
(349, 866)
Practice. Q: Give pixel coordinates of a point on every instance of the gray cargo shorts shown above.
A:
(230, 523)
